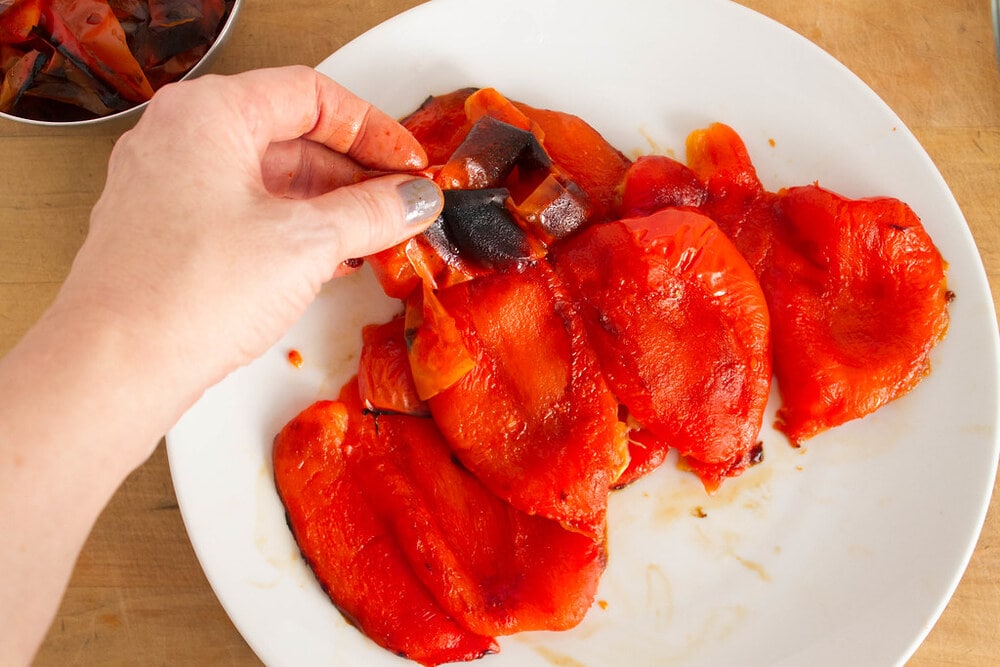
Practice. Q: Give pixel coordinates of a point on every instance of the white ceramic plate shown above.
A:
(841, 553)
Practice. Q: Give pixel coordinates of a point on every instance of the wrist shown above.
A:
(110, 379)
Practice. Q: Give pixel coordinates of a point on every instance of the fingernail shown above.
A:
(421, 201)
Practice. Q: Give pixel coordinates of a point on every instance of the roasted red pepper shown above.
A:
(351, 546)
(385, 382)
(494, 569)
(438, 354)
(18, 21)
(655, 182)
(440, 124)
(585, 156)
(856, 288)
(88, 33)
(561, 352)
(681, 329)
(534, 418)
(408, 543)
(736, 199)
(858, 297)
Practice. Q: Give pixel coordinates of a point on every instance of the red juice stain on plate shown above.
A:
(295, 358)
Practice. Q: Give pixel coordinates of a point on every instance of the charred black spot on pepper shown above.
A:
(375, 413)
(757, 453)
(410, 335)
(477, 224)
(438, 238)
(492, 149)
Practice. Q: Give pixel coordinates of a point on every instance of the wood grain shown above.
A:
(138, 595)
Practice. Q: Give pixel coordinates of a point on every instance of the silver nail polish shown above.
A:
(421, 200)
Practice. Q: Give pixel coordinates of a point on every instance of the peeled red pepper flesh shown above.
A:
(736, 200)
(858, 299)
(440, 124)
(681, 329)
(409, 544)
(385, 382)
(856, 288)
(533, 419)
(494, 569)
(352, 548)
(655, 182)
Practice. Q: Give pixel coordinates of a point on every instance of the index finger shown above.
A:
(291, 102)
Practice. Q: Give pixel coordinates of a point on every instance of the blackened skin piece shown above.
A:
(489, 153)
(440, 240)
(478, 224)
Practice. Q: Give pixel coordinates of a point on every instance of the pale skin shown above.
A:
(226, 209)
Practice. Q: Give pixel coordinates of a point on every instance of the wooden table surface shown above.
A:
(138, 595)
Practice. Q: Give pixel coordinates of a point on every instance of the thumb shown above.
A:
(378, 213)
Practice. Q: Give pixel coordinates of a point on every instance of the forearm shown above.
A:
(82, 403)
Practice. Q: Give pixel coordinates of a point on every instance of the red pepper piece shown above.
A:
(680, 326)
(858, 299)
(394, 272)
(533, 419)
(495, 569)
(720, 158)
(428, 257)
(385, 382)
(176, 66)
(647, 452)
(437, 351)
(655, 182)
(555, 209)
(440, 124)
(737, 200)
(352, 548)
(489, 102)
(176, 36)
(19, 78)
(88, 33)
(63, 91)
(584, 155)
(18, 20)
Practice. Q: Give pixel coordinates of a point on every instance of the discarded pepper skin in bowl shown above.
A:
(570, 318)
(71, 60)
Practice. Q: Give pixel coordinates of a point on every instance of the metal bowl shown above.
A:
(995, 10)
(133, 112)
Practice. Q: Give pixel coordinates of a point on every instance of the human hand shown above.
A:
(223, 214)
